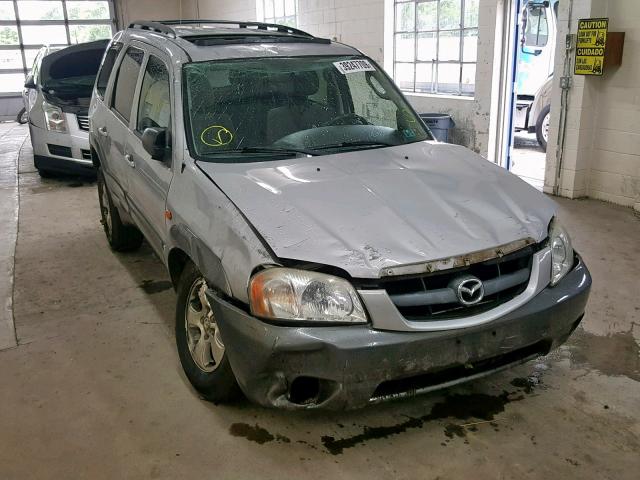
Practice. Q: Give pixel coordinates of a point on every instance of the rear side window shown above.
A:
(125, 86)
(107, 67)
(154, 109)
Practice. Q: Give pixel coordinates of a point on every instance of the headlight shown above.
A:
(300, 295)
(54, 118)
(561, 251)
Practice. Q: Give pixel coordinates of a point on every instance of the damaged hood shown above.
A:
(366, 210)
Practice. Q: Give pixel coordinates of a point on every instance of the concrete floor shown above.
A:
(528, 159)
(94, 389)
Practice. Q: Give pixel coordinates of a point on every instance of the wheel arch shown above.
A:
(95, 158)
(176, 262)
(187, 247)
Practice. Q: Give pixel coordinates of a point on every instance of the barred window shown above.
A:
(27, 25)
(283, 12)
(435, 46)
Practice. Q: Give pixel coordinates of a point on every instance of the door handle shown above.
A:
(130, 161)
(103, 131)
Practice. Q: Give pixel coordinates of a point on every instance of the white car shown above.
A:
(57, 95)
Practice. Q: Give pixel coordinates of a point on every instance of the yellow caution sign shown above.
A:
(590, 44)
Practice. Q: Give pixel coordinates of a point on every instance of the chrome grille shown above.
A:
(430, 297)
(83, 122)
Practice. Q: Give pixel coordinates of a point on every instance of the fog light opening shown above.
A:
(304, 390)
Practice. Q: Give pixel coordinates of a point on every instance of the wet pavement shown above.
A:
(94, 388)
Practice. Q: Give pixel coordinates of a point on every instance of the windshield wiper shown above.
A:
(285, 151)
(356, 144)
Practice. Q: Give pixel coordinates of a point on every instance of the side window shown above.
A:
(125, 86)
(106, 68)
(154, 107)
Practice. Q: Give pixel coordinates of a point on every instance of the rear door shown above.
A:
(115, 130)
(99, 109)
(150, 179)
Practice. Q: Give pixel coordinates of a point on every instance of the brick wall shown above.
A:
(129, 10)
(615, 161)
(359, 23)
(228, 9)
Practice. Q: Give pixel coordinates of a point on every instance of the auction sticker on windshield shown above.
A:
(353, 66)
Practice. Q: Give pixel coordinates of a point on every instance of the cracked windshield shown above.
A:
(263, 107)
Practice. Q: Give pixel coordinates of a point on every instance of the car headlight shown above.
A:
(54, 118)
(561, 251)
(300, 295)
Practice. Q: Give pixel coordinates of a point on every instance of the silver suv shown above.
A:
(325, 250)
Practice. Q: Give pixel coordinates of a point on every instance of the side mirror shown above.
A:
(154, 141)
(29, 83)
(535, 27)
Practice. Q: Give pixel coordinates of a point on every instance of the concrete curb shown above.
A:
(12, 137)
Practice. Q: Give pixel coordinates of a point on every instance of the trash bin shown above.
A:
(439, 124)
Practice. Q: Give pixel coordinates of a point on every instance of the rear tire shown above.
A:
(200, 348)
(23, 116)
(542, 127)
(121, 237)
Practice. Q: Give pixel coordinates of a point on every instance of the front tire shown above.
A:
(45, 173)
(121, 237)
(200, 347)
(542, 127)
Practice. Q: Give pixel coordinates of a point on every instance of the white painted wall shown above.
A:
(129, 10)
(228, 9)
(615, 160)
(601, 157)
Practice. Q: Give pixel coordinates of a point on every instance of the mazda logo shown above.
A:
(468, 289)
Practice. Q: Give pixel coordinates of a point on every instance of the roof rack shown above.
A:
(157, 27)
(163, 26)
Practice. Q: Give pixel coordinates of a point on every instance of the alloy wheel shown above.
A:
(106, 210)
(203, 335)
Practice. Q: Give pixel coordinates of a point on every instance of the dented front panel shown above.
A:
(213, 222)
(368, 212)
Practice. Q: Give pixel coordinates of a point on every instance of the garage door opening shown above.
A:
(528, 87)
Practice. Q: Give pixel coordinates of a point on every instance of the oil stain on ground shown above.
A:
(461, 406)
(255, 433)
(527, 384)
(614, 355)
(155, 286)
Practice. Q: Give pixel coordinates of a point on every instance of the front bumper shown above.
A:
(352, 366)
(76, 142)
